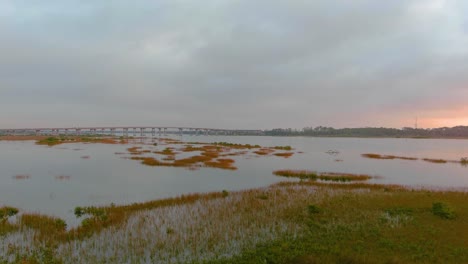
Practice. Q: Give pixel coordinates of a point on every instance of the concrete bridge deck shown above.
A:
(125, 130)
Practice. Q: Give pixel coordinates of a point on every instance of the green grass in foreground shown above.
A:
(376, 226)
(300, 222)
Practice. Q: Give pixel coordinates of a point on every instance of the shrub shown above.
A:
(443, 210)
(6, 212)
(96, 212)
(313, 209)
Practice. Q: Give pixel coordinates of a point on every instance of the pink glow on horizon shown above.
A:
(444, 122)
(457, 116)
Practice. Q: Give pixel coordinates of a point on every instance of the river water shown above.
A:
(106, 178)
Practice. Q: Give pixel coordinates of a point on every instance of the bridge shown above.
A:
(126, 130)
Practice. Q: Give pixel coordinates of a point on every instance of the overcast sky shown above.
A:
(248, 64)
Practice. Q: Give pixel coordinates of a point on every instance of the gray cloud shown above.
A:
(244, 64)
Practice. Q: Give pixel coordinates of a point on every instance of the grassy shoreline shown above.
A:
(289, 222)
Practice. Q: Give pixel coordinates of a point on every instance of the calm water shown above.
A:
(106, 178)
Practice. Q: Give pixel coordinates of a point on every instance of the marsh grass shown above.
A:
(264, 151)
(167, 151)
(209, 156)
(284, 223)
(236, 146)
(205, 160)
(378, 156)
(462, 161)
(135, 150)
(284, 154)
(226, 164)
(325, 176)
(343, 177)
(53, 141)
(441, 161)
(49, 228)
(282, 148)
(169, 158)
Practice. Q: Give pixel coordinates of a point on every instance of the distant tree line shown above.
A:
(321, 131)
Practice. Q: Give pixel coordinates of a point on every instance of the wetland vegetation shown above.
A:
(323, 217)
(378, 156)
(463, 161)
(209, 154)
(290, 222)
(53, 141)
(324, 176)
